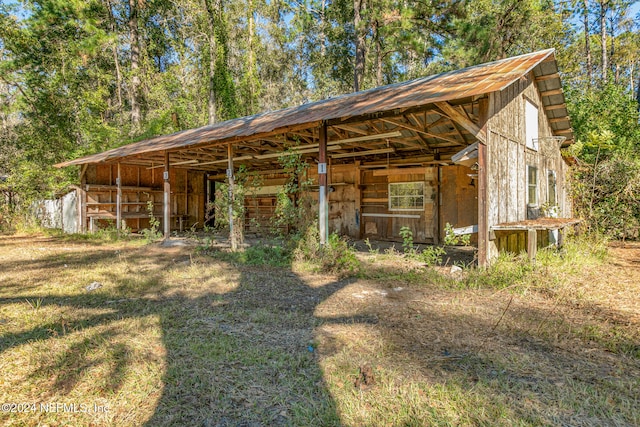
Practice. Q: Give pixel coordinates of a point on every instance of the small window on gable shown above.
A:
(531, 125)
(406, 196)
(552, 198)
(532, 185)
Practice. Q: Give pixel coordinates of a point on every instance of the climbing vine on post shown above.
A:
(293, 205)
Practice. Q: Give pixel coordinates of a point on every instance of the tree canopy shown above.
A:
(84, 76)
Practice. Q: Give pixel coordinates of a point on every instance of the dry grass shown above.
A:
(177, 338)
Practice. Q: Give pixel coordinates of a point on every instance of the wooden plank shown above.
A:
(94, 187)
(555, 107)
(532, 243)
(551, 92)
(375, 200)
(386, 215)
(461, 231)
(399, 171)
(547, 77)
(467, 156)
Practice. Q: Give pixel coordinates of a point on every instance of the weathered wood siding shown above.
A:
(458, 198)
(508, 158)
(377, 220)
(141, 186)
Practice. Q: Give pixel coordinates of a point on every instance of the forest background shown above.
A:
(82, 76)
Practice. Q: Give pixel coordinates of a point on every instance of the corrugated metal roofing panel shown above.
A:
(459, 84)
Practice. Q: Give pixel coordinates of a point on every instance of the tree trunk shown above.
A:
(612, 50)
(603, 37)
(116, 61)
(358, 7)
(135, 66)
(251, 69)
(211, 19)
(322, 37)
(638, 92)
(587, 41)
(379, 55)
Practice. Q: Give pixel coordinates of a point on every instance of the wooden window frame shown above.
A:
(406, 209)
(531, 136)
(534, 185)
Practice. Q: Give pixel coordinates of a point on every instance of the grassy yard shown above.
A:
(174, 336)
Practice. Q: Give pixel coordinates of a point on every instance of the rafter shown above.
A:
(463, 120)
(415, 129)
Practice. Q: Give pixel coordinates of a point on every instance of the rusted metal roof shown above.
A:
(459, 84)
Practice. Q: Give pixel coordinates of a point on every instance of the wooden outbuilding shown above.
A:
(477, 148)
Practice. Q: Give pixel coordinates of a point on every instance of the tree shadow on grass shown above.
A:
(240, 356)
(511, 362)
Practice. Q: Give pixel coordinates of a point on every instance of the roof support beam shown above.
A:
(552, 92)
(462, 119)
(418, 130)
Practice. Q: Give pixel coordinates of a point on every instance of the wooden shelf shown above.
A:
(96, 187)
(123, 203)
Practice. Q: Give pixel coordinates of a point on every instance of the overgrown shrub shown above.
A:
(548, 272)
(152, 233)
(244, 183)
(607, 195)
(294, 207)
(336, 256)
(451, 239)
(256, 255)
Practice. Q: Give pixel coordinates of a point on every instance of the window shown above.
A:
(531, 125)
(406, 196)
(532, 185)
(552, 198)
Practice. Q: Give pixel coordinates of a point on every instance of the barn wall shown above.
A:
(359, 202)
(142, 186)
(508, 158)
(379, 221)
(458, 198)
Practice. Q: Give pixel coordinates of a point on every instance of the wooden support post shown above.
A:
(323, 214)
(483, 225)
(436, 205)
(532, 244)
(483, 229)
(167, 198)
(119, 201)
(232, 231)
(560, 242)
(82, 201)
(186, 194)
(358, 201)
